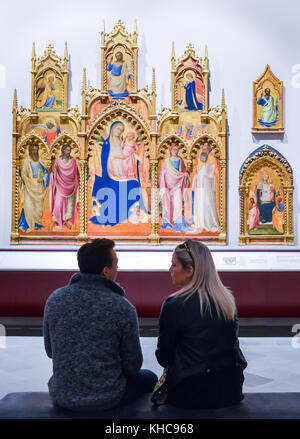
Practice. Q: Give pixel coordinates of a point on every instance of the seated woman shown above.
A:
(198, 334)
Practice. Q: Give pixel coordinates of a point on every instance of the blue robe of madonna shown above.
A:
(265, 208)
(114, 197)
(191, 98)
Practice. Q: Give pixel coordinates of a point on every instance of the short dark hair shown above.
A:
(93, 256)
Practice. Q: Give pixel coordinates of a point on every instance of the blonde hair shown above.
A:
(205, 280)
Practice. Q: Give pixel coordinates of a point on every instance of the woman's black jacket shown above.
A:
(190, 344)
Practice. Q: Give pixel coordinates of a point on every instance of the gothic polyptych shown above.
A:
(118, 167)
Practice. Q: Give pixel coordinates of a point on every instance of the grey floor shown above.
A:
(273, 364)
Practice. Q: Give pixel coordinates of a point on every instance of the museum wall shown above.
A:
(242, 38)
(263, 295)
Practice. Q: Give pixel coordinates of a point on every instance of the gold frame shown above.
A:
(80, 128)
(214, 130)
(261, 157)
(70, 118)
(258, 85)
(52, 62)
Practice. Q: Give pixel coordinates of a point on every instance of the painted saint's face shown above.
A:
(118, 130)
(49, 125)
(266, 178)
(67, 152)
(174, 150)
(205, 148)
(34, 153)
(130, 136)
(119, 56)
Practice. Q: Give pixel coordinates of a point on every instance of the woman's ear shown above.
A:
(190, 271)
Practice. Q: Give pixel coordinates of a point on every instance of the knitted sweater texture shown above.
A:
(91, 333)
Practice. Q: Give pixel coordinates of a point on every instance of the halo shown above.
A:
(129, 131)
(117, 122)
(174, 144)
(119, 49)
(50, 119)
(189, 72)
(50, 74)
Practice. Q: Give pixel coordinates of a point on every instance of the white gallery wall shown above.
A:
(242, 37)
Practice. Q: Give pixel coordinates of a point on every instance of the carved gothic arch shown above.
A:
(29, 139)
(266, 157)
(110, 115)
(167, 140)
(62, 139)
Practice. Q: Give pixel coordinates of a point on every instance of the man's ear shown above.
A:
(104, 272)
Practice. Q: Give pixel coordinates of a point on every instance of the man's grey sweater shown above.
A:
(91, 333)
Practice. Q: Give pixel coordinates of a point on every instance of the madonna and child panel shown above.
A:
(266, 203)
(119, 183)
(266, 198)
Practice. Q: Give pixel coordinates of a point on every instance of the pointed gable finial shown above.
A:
(135, 27)
(84, 80)
(206, 58)
(189, 51)
(33, 57)
(135, 32)
(173, 55)
(103, 33)
(15, 111)
(15, 102)
(83, 92)
(153, 92)
(119, 27)
(153, 80)
(66, 51)
(66, 58)
(223, 112)
(49, 49)
(33, 51)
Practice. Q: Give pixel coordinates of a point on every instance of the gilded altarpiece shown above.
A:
(117, 168)
(266, 199)
(268, 103)
(120, 118)
(48, 188)
(192, 157)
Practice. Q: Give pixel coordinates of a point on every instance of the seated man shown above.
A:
(91, 333)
